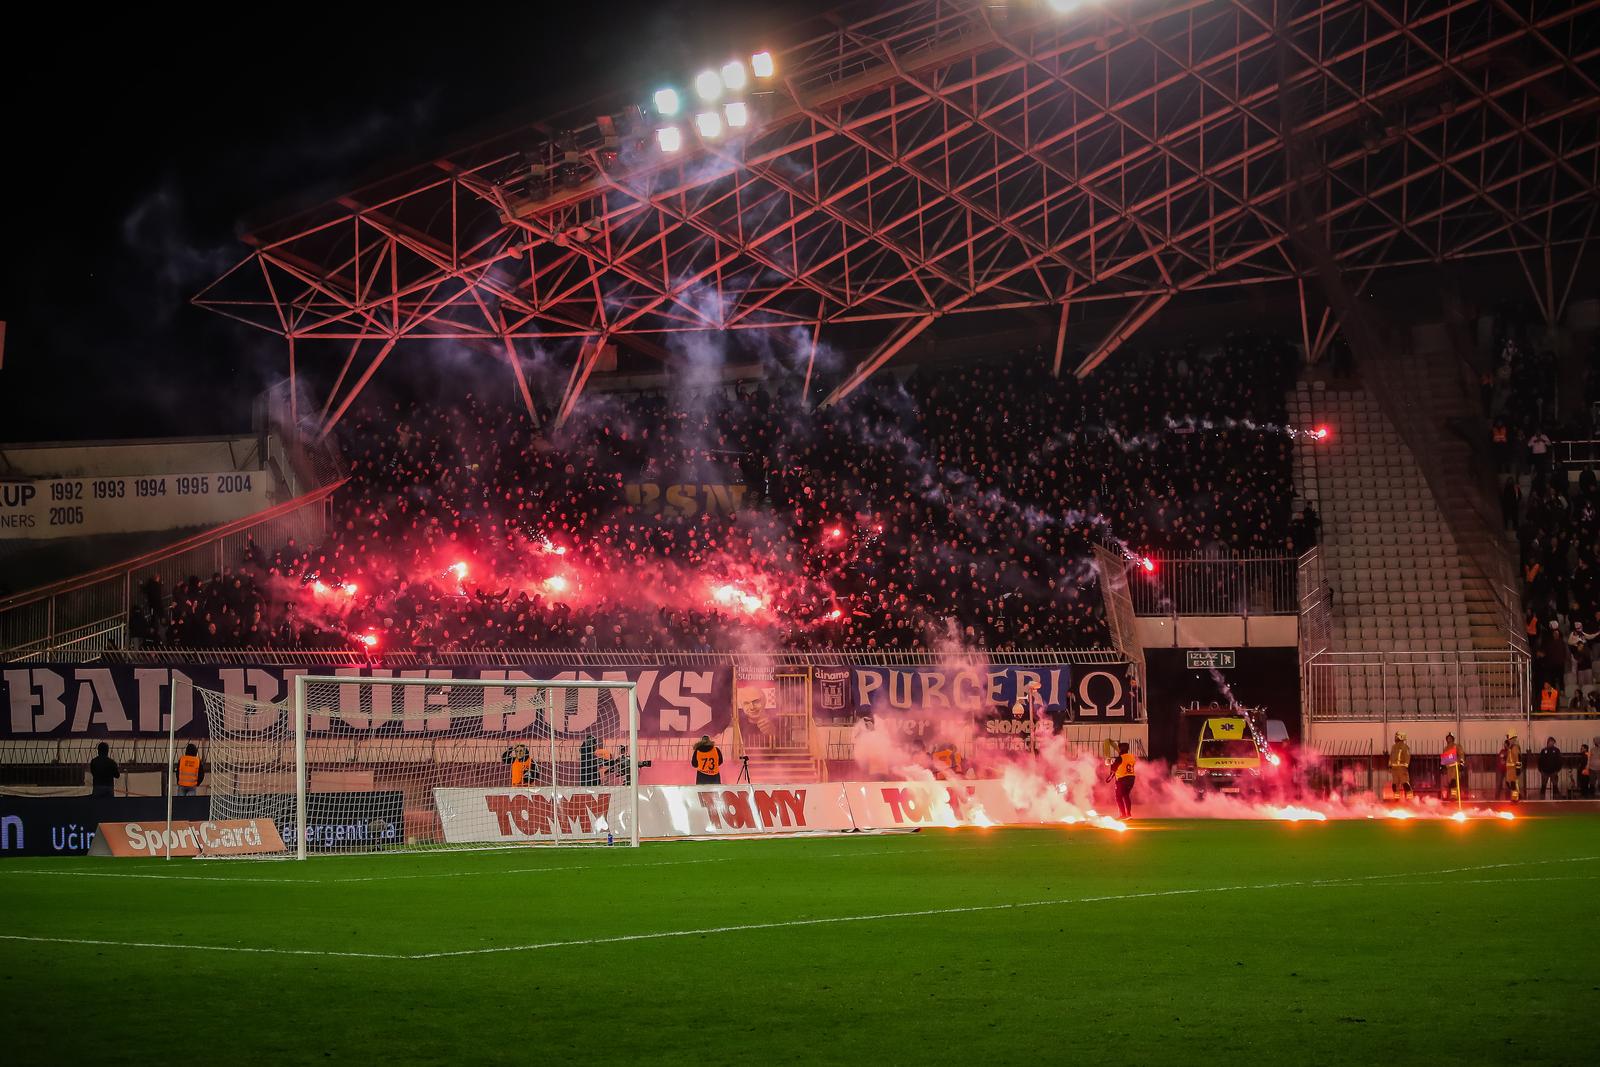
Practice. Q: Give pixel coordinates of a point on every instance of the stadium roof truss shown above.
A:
(946, 157)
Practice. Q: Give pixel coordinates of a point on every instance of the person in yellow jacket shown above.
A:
(1122, 772)
(1452, 769)
(1510, 769)
(1400, 766)
(190, 771)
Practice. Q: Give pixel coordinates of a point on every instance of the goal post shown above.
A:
(356, 764)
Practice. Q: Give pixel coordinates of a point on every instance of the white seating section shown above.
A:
(1397, 578)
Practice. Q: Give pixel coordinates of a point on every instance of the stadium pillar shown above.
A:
(294, 389)
(1131, 323)
(361, 383)
(588, 356)
(811, 360)
(902, 337)
(1061, 341)
(522, 379)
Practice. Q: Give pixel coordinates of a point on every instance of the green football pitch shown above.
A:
(1352, 942)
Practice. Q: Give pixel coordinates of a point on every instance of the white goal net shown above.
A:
(374, 764)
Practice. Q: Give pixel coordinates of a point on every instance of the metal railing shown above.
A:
(1216, 585)
(82, 617)
(1446, 685)
(1578, 454)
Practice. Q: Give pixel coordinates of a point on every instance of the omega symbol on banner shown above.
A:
(1101, 693)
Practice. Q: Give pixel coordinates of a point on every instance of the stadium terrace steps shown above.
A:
(1387, 550)
(778, 768)
(1400, 580)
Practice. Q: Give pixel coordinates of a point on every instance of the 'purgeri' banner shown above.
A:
(71, 700)
(1070, 693)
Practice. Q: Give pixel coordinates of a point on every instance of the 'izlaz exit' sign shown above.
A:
(1211, 661)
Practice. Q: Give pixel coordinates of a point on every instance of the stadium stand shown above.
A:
(959, 504)
(1551, 499)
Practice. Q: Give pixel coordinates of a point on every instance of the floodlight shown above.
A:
(667, 102)
(709, 123)
(761, 64)
(708, 84)
(669, 138)
(733, 75)
(737, 114)
(1062, 7)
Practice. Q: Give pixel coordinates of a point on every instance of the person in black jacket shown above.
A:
(104, 772)
(589, 761)
(1550, 768)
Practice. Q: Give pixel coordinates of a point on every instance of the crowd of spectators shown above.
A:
(1556, 518)
(952, 506)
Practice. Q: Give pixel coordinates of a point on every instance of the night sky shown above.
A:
(134, 154)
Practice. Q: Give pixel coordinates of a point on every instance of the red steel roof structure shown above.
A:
(913, 161)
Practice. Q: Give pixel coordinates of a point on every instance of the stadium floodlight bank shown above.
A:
(374, 764)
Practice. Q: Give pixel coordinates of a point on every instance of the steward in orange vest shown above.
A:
(190, 773)
(948, 762)
(707, 762)
(523, 770)
(1123, 773)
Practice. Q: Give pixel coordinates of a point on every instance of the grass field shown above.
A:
(1353, 942)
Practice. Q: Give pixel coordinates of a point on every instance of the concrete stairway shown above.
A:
(777, 768)
(1445, 399)
(1387, 551)
(1402, 586)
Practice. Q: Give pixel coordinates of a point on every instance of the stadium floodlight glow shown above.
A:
(708, 84)
(1062, 7)
(709, 123)
(667, 102)
(761, 65)
(669, 138)
(733, 75)
(737, 114)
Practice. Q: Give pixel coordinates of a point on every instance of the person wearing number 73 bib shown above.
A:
(707, 762)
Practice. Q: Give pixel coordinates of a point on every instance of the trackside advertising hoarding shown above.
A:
(545, 814)
(70, 700)
(67, 826)
(231, 837)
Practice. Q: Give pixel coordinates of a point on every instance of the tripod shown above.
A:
(744, 771)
